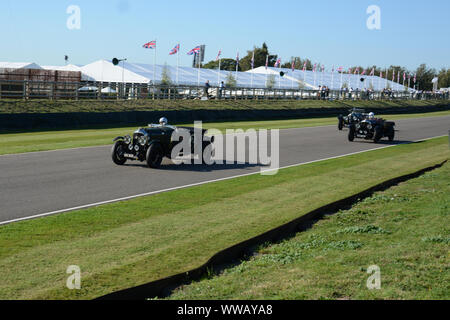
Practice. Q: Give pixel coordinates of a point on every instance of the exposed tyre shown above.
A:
(391, 134)
(378, 134)
(341, 124)
(351, 133)
(117, 153)
(154, 156)
(206, 160)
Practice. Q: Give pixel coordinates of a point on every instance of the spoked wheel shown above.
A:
(118, 153)
(154, 156)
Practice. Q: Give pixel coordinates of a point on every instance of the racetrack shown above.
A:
(50, 182)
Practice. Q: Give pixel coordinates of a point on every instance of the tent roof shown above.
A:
(19, 65)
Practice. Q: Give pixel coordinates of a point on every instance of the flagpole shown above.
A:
(218, 73)
(332, 79)
(178, 66)
(342, 75)
(154, 64)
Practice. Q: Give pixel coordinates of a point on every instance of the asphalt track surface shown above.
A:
(43, 183)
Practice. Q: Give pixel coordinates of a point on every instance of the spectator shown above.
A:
(207, 86)
(221, 88)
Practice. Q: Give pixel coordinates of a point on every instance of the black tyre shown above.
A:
(378, 134)
(154, 156)
(351, 133)
(391, 135)
(209, 156)
(341, 124)
(118, 152)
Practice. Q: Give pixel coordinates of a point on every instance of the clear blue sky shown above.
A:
(329, 31)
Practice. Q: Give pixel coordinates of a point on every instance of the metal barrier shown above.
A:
(26, 90)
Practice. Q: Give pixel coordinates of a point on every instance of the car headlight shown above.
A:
(136, 147)
(369, 126)
(127, 139)
(142, 140)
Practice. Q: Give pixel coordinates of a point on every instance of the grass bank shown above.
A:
(52, 140)
(402, 230)
(61, 106)
(125, 244)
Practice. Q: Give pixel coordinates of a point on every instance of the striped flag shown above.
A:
(372, 73)
(175, 50)
(195, 50)
(363, 73)
(315, 67)
(150, 45)
(293, 65)
(277, 63)
(404, 76)
(304, 67)
(219, 55)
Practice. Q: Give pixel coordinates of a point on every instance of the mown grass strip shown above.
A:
(404, 231)
(12, 143)
(126, 244)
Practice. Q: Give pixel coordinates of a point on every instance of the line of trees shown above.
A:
(423, 73)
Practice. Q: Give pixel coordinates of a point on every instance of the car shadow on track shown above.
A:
(386, 142)
(168, 165)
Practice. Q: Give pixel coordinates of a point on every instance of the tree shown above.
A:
(260, 58)
(225, 64)
(165, 76)
(299, 63)
(231, 81)
(444, 78)
(424, 77)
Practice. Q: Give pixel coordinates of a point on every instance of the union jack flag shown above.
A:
(363, 73)
(175, 50)
(293, 65)
(372, 73)
(195, 50)
(218, 55)
(150, 45)
(304, 67)
(278, 63)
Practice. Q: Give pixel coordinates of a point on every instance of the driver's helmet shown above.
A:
(163, 121)
(371, 116)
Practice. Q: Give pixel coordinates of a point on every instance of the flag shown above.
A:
(404, 76)
(253, 60)
(219, 55)
(356, 71)
(372, 73)
(267, 62)
(237, 60)
(393, 75)
(381, 74)
(174, 50)
(150, 45)
(415, 78)
(315, 67)
(340, 69)
(304, 67)
(363, 73)
(293, 65)
(195, 50)
(277, 63)
(398, 76)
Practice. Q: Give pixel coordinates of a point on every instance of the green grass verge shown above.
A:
(134, 242)
(61, 106)
(404, 231)
(11, 143)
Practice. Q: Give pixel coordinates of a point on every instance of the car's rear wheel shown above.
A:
(391, 135)
(351, 133)
(154, 156)
(118, 153)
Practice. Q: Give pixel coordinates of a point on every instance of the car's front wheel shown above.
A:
(118, 153)
(351, 133)
(378, 134)
(154, 156)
